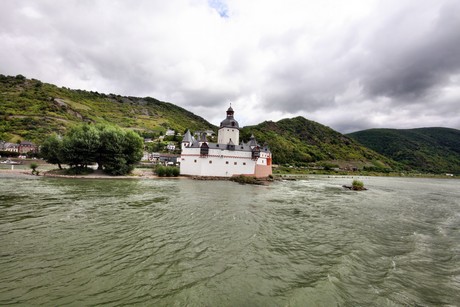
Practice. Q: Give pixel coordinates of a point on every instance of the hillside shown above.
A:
(31, 110)
(299, 140)
(435, 150)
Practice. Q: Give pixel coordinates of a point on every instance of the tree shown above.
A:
(110, 144)
(80, 146)
(115, 150)
(133, 147)
(34, 166)
(120, 150)
(51, 150)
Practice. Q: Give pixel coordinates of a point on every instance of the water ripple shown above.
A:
(169, 242)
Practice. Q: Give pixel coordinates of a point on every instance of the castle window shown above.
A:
(194, 161)
(204, 149)
(210, 161)
(244, 163)
(226, 162)
(235, 163)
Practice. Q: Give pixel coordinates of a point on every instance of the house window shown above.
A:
(210, 161)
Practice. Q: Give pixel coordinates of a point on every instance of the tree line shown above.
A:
(115, 150)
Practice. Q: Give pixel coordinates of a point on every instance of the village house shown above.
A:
(171, 147)
(10, 147)
(170, 132)
(26, 147)
(227, 157)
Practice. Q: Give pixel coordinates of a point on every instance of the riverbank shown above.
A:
(97, 174)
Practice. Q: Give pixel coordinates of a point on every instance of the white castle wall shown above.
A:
(219, 163)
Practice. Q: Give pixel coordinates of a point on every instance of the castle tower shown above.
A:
(229, 129)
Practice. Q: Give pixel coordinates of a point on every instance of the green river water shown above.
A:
(70, 242)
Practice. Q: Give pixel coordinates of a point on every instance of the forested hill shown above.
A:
(31, 110)
(301, 140)
(425, 149)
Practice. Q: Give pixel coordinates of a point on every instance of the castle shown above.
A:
(227, 157)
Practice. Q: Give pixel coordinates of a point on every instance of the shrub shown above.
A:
(357, 185)
(34, 166)
(166, 171)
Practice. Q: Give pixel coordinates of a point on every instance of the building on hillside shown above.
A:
(227, 157)
(171, 147)
(26, 147)
(10, 147)
(170, 132)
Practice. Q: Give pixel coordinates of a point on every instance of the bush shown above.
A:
(357, 185)
(166, 171)
(34, 166)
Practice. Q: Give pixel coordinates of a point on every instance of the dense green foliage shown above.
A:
(166, 171)
(51, 149)
(34, 166)
(32, 110)
(301, 141)
(435, 150)
(115, 150)
(357, 185)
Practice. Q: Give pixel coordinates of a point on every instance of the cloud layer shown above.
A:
(350, 65)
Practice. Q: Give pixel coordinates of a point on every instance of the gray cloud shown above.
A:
(412, 70)
(362, 64)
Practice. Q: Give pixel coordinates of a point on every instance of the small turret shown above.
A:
(187, 140)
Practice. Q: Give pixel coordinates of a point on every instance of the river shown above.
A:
(179, 242)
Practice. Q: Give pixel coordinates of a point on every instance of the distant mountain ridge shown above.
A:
(434, 150)
(31, 110)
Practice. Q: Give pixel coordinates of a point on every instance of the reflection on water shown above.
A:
(216, 243)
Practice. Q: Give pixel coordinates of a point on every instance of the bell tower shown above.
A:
(229, 130)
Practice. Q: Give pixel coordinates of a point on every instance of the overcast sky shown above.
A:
(350, 65)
